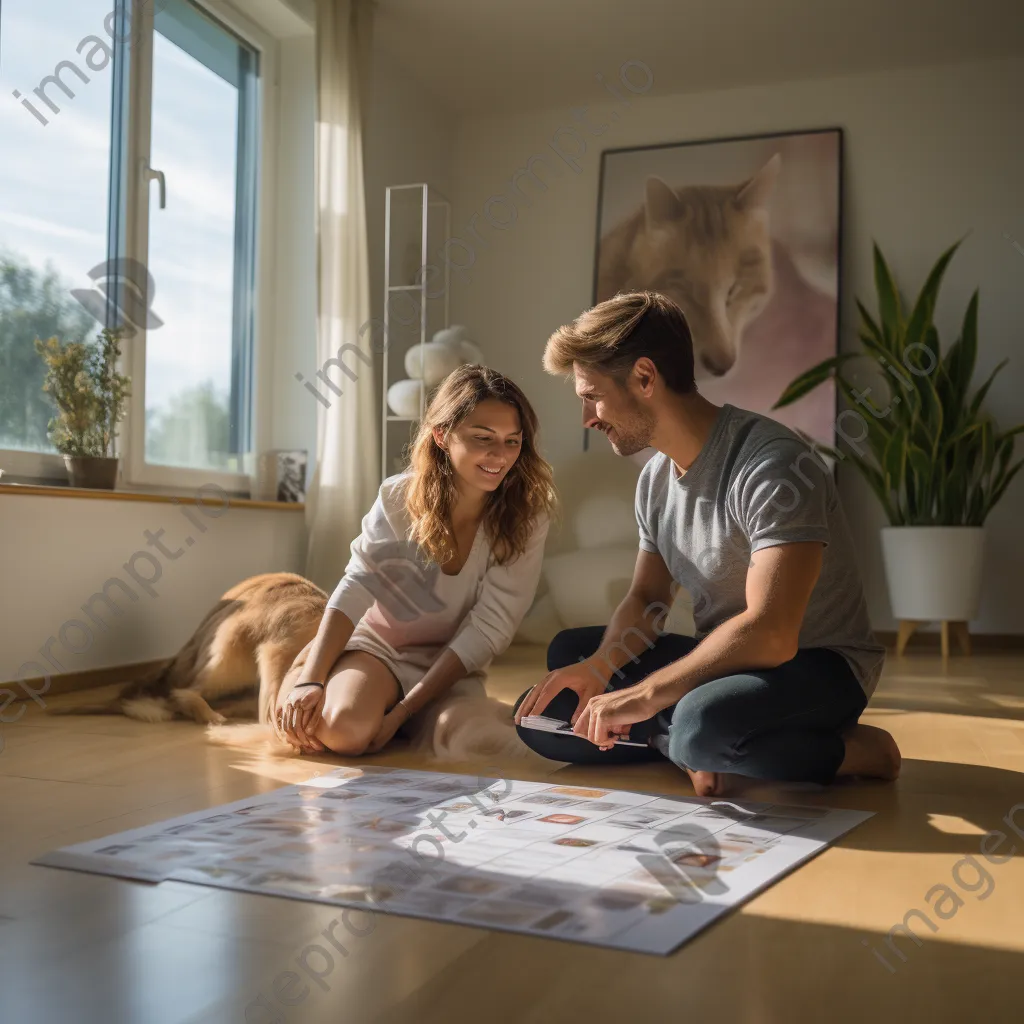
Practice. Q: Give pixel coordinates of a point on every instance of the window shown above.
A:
(203, 142)
(128, 196)
(54, 178)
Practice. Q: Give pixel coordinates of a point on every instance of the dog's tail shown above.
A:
(253, 737)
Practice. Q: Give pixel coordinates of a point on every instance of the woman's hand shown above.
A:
(393, 721)
(609, 715)
(300, 715)
(584, 679)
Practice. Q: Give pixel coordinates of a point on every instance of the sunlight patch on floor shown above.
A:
(953, 825)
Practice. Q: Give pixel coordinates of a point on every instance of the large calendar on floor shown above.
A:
(628, 870)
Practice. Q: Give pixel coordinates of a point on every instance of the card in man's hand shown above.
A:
(560, 728)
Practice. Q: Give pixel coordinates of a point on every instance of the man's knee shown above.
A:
(701, 737)
(522, 697)
(569, 645)
(541, 743)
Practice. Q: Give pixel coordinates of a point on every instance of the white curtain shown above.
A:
(345, 481)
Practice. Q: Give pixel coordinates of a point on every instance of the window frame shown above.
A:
(136, 471)
(128, 231)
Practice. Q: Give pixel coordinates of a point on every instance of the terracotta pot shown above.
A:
(92, 471)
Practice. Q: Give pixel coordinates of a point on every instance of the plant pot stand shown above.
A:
(959, 630)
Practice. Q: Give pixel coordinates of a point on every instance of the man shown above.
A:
(737, 509)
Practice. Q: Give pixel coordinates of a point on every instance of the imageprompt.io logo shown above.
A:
(684, 861)
(402, 582)
(125, 289)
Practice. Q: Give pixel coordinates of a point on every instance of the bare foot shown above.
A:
(706, 783)
(870, 752)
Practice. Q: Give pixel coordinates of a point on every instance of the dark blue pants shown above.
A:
(782, 723)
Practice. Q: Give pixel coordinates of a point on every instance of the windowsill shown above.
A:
(57, 491)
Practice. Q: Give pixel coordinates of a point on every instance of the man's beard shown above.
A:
(634, 435)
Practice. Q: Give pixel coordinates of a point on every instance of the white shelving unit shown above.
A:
(406, 208)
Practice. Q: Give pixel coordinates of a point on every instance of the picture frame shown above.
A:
(745, 234)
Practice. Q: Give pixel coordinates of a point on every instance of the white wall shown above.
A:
(58, 551)
(931, 155)
(410, 138)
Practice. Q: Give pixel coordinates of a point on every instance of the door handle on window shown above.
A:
(152, 174)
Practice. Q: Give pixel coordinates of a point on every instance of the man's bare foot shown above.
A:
(706, 783)
(870, 752)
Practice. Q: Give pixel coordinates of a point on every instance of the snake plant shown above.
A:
(928, 450)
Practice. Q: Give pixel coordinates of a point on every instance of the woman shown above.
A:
(440, 578)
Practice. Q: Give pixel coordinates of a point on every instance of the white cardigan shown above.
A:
(390, 588)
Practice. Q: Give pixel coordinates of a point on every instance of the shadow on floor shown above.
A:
(742, 968)
(957, 697)
(904, 811)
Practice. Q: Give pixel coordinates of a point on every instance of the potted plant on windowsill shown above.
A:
(90, 394)
(932, 456)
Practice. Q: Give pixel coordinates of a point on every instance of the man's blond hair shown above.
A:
(611, 336)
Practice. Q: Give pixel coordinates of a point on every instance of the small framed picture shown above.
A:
(282, 476)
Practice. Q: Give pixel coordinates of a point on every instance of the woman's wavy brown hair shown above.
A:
(431, 493)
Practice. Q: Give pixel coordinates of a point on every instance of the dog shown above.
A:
(249, 645)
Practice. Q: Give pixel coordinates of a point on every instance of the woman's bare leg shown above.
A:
(360, 691)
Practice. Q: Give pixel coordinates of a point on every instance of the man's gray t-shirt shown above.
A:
(753, 485)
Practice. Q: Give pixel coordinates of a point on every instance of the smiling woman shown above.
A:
(440, 578)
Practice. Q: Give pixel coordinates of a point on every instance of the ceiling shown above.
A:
(504, 56)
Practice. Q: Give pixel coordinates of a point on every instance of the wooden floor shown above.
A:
(78, 948)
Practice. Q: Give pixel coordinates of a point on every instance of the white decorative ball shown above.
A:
(458, 338)
(469, 352)
(453, 335)
(432, 361)
(404, 398)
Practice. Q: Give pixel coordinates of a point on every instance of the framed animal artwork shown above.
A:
(744, 234)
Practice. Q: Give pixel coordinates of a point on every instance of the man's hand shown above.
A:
(609, 715)
(585, 679)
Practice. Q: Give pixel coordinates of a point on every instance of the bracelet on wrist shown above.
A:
(313, 682)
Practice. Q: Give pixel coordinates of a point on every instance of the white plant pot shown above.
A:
(933, 572)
